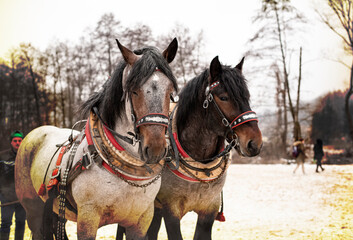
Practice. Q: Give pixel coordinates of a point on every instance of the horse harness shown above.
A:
(199, 171)
(106, 152)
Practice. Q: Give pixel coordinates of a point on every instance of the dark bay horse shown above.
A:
(212, 108)
(111, 171)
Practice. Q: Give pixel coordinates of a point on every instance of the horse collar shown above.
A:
(190, 169)
(104, 147)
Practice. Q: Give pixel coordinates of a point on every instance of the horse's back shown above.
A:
(33, 157)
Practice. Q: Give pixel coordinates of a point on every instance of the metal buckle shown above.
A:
(225, 122)
(135, 140)
(210, 97)
(88, 155)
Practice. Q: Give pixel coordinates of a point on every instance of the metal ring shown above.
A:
(205, 104)
(225, 122)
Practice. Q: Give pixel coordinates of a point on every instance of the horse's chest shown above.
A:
(182, 196)
(111, 197)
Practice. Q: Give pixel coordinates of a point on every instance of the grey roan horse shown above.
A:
(111, 171)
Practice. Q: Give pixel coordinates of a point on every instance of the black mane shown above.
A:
(109, 100)
(193, 94)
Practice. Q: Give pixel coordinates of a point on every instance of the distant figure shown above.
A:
(7, 191)
(300, 155)
(318, 154)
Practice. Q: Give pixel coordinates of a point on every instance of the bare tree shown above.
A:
(343, 10)
(188, 61)
(277, 20)
(25, 50)
(138, 36)
(104, 35)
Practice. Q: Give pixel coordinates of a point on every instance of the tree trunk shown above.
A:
(297, 129)
(35, 91)
(346, 105)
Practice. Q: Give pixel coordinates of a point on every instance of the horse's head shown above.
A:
(227, 96)
(148, 83)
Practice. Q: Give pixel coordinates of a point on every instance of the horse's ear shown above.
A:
(170, 52)
(240, 65)
(128, 55)
(215, 68)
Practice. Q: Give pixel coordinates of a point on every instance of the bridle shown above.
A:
(242, 118)
(148, 119)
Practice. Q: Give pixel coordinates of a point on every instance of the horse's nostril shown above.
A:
(252, 146)
(146, 152)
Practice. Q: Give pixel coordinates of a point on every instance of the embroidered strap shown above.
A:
(153, 119)
(244, 118)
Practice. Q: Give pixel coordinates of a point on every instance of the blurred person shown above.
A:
(300, 156)
(318, 154)
(7, 191)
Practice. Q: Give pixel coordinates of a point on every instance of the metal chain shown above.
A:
(63, 190)
(140, 185)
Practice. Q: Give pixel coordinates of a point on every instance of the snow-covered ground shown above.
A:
(270, 202)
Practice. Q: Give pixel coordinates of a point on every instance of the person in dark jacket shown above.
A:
(318, 154)
(8, 193)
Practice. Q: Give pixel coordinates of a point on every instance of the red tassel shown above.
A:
(42, 190)
(220, 217)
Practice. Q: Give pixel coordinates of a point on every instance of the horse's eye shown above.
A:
(224, 98)
(135, 93)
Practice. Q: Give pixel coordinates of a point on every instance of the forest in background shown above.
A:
(47, 87)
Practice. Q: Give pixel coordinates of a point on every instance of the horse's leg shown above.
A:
(34, 211)
(153, 230)
(138, 231)
(172, 224)
(87, 223)
(204, 227)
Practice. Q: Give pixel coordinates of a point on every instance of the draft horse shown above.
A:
(110, 171)
(213, 107)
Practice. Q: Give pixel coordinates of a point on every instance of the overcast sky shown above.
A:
(227, 26)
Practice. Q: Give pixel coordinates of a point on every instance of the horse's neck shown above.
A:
(198, 140)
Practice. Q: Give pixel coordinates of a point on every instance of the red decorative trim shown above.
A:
(214, 84)
(185, 177)
(112, 139)
(241, 115)
(60, 157)
(106, 166)
(220, 217)
(180, 148)
(42, 190)
(148, 123)
(245, 122)
(88, 134)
